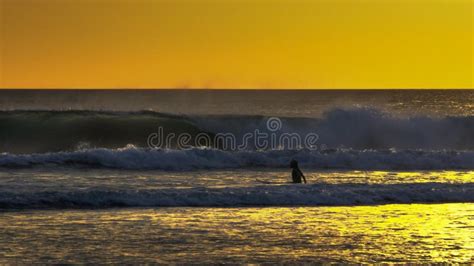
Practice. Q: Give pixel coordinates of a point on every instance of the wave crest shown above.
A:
(284, 195)
(181, 160)
(53, 131)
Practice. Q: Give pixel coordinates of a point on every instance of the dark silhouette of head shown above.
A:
(294, 164)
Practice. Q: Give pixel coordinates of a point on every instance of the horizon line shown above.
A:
(233, 89)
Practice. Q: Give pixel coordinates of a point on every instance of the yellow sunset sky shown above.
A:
(320, 44)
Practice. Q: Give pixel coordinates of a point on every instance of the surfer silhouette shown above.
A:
(296, 173)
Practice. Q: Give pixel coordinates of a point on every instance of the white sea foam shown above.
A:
(53, 131)
(279, 195)
(131, 157)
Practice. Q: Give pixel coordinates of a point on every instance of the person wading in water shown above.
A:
(296, 173)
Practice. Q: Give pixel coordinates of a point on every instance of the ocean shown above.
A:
(201, 176)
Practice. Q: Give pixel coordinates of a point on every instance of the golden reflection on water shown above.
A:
(388, 233)
(392, 177)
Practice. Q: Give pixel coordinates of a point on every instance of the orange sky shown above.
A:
(236, 44)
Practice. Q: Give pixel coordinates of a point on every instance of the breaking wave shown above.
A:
(194, 159)
(283, 195)
(54, 131)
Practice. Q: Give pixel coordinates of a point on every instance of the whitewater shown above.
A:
(40, 131)
(68, 187)
(390, 177)
(372, 148)
(282, 195)
(133, 158)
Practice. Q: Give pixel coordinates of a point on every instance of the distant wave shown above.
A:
(283, 195)
(54, 131)
(362, 129)
(180, 160)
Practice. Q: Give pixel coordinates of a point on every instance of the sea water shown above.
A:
(390, 178)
